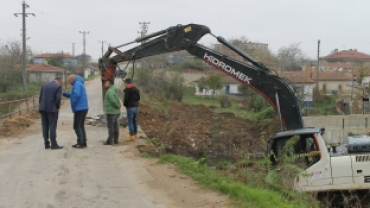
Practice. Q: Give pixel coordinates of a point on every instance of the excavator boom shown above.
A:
(276, 90)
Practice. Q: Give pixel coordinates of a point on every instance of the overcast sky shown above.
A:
(341, 24)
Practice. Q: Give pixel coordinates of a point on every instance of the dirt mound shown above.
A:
(195, 130)
(15, 126)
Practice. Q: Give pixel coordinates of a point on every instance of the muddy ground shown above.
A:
(197, 129)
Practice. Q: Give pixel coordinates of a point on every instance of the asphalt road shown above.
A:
(98, 176)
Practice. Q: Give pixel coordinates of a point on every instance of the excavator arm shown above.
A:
(276, 90)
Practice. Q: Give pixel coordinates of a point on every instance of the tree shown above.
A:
(215, 83)
(290, 58)
(175, 86)
(10, 65)
(57, 61)
(362, 70)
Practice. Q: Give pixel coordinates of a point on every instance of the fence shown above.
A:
(340, 109)
(10, 109)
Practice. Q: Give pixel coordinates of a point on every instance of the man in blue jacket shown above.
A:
(79, 105)
(49, 104)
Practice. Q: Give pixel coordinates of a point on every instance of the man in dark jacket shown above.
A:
(49, 104)
(79, 105)
(131, 102)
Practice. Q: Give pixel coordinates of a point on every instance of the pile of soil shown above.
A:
(196, 130)
(18, 124)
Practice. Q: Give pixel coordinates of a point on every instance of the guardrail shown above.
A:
(19, 107)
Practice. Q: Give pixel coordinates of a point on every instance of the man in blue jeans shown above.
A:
(79, 105)
(49, 104)
(131, 102)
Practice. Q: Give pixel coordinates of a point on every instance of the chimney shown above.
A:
(336, 50)
(355, 50)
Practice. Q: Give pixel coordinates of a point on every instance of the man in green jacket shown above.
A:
(112, 106)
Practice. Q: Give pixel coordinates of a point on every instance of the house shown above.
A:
(231, 86)
(346, 59)
(61, 59)
(333, 81)
(303, 86)
(90, 70)
(361, 76)
(80, 58)
(43, 72)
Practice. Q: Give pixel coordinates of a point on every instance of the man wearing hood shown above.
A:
(79, 105)
(112, 109)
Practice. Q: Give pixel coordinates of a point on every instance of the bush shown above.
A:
(161, 86)
(265, 116)
(193, 64)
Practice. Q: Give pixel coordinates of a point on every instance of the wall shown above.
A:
(43, 76)
(66, 61)
(338, 127)
(334, 85)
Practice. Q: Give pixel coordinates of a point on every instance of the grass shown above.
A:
(322, 109)
(146, 155)
(246, 196)
(91, 77)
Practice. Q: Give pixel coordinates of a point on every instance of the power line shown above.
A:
(24, 15)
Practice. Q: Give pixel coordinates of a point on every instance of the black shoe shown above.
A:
(85, 145)
(47, 146)
(107, 143)
(115, 141)
(79, 146)
(56, 147)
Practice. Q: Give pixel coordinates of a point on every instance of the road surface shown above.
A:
(97, 176)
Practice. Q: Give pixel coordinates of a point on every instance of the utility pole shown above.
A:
(318, 67)
(73, 49)
(84, 53)
(144, 30)
(102, 47)
(24, 52)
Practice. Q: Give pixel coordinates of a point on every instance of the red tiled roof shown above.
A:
(337, 65)
(331, 76)
(50, 55)
(323, 76)
(297, 76)
(347, 54)
(43, 67)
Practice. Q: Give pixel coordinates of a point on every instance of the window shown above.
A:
(305, 147)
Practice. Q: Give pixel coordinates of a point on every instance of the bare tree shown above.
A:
(290, 58)
(10, 65)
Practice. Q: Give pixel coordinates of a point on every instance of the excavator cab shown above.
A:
(300, 146)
